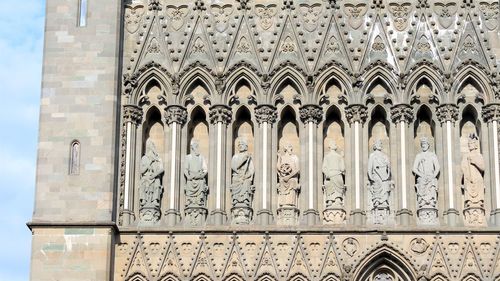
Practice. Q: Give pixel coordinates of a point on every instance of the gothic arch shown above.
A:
(438, 277)
(326, 77)
(265, 277)
(245, 75)
(152, 122)
(150, 74)
(331, 277)
(471, 74)
(137, 277)
(242, 115)
(286, 76)
(423, 113)
(234, 277)
(384, 259)
(382, 82)
(201, 277)
(298, 277)
(470, 114)
(169, 277)
(381, 76)
(472, 277)
(198, 76)
(424, 73)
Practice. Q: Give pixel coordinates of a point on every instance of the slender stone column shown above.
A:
(402, 115)
(356, 115)
(311, 115)
(491, 115)
(220, 116)
(132, 117)
(176, 117)
(447, 115)
(266, 116)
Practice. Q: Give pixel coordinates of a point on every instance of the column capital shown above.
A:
(447, 112)
(491, 112)
(356, 113)
(132, 113)
(402, 113)
(311, 113)
(220, 113)
(266, 113)
(177, 114)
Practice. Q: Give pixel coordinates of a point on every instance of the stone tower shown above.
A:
(269, 140)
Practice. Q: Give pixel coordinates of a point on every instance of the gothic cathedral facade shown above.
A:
(329, 140)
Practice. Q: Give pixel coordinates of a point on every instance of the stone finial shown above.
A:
(402, 112)
(491, 112)
(244, 5)
(177, 114)
(356, 113)
(447, 112)
(266, 113)
(220, 113)
(154, 5)
(199, 5)
(311, 113)
(132, 113)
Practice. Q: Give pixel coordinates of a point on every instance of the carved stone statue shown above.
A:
(380, 184)
(334, 188)
(288, 185)
(242, 189)
(150, 188)
(196, 189)
(426, 170)
(473, 183)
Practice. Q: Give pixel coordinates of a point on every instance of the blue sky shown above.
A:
(21, 42)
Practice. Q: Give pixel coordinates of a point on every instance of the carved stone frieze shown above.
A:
(311, 113)
(356, 113)
(266, 113)
(177, 114)
(447, 112)
(402, 113)
(132, 113)
(220, 113)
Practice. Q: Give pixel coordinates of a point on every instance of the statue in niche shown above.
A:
(150, 189)
(242, 189)
(288, 185)
(334, 188)
(426, 170)
(380, 183)
(473, 183)
(196, 189)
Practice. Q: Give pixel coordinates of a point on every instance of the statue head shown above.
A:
(287, 148)
(150, 148)
(242, 145)
(473, 142)
(333, 146)
(195, 147)
(424, 144)
(377, 145)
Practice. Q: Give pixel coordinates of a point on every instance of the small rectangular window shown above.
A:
(82, 13)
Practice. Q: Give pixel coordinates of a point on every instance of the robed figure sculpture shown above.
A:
(334, 188)
(288, 185)
(150, 187)
(242, 189)
(380, 184)
(196, 189)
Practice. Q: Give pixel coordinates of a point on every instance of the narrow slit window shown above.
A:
(82, 13)
(74, 158)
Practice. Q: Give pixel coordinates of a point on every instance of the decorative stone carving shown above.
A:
(288, 46)
(419, 245)
(426, 169)
(378, 45)
(266, 113)
(400, 13)
(154, 5)
(402, 112)
(177, 114)
(199, 46)
(151, 187)
(196, 189)
(177, 16)
(380, 185)
(266, 15)
(383, 276)
(288, 185)
(133, 16)
(491, 112)
(447, 112)
(311, 113)
(350, 246)
(242, 189)
(334, 188)
(132, 113)
(446, 13)
(355, 13)
(310, 15)
(489, 12)
(220, 113)
(356, 113)
(473, 183)
(221, 15)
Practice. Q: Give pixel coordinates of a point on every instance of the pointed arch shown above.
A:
(379, 76)
(201, 277)
(286, 76)
(198, 128)
(331, 277)
(472, 74)
(169, 277)
(199, 75)
(385, 260)
(137, 277)
(472, 277)
(424, 118)
(439, 277)
(423, 74)
(333, 74)
(234, 277)
(470, 114)
(333, 128)
(145, 76)
(288, 128)
(242, 75)
(298, 277)
(243, 127)
(266, 277)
